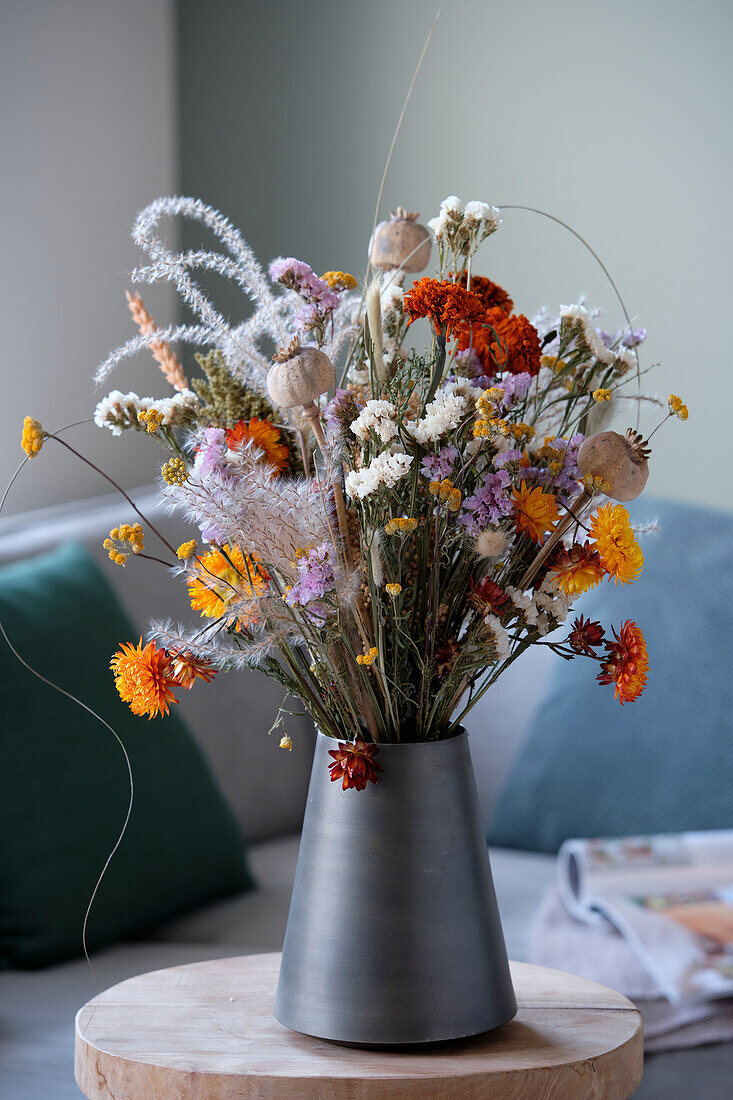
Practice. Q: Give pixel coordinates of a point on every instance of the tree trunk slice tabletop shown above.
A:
(206, 1032)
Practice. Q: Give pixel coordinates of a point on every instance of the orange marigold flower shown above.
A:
(586, 636)
(503, 343)
(354, 763)
(263, 435)
(225, 579)
(576, 570)
(491, 294)
(620, 553)
(187, 669)
(627, 663)
(534, 511)
(444, 303)
(144, 678)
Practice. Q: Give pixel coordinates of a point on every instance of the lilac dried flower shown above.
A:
(488, 505)
(437, 467)
(315, 577)
(340, 412)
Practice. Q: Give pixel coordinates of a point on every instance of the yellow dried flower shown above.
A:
(174, 471)
(151, 418)
(123, 540)
(400, 525)
(32, 438)
(481, 429)
(286, 743)
(490, 401)
(523, 433)
(186, 550)
(600, 395)
(339, 280)
(367, 658)
(393, 589)
(595, 484)
(553, 363)
(446, 493)
(677, 407)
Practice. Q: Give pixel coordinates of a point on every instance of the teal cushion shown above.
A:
(663, 763)
(64, 785)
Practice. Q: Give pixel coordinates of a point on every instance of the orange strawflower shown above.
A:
(225, 578)
(263, 435)
(503, 343)
(354, 763)
(446, 305)
(627, 663)
(188, 669)
(620, 553)
(534, 511)
(576, 570)
(491, 294)
(144, 678)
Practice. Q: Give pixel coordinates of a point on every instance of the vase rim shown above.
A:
(461, 733)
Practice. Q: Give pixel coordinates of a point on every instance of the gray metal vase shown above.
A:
(394, 934)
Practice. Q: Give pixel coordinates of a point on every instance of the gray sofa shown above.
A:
(266, 789)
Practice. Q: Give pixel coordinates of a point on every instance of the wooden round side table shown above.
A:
(206, 1032)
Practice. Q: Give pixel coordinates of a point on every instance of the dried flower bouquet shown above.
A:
(381, 530)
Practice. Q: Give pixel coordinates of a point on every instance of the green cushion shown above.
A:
(64, 785)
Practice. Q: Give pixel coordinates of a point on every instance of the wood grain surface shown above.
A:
(206, 1032)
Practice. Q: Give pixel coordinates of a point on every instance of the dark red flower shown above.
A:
(487, 594)
(446, 654)
(585, 636)
(354, 763)
(503, 343)
(491, 294)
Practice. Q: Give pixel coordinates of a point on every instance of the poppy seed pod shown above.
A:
(401, 242)
(299, 376)
(620, 460)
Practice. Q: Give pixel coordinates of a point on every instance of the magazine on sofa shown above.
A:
(670, 896)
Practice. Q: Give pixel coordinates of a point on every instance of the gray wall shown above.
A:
(614, 116)
(88, 136)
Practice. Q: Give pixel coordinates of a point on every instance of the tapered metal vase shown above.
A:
(394, 934)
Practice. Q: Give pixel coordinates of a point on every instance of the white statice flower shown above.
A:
(384, 470)
(500, 638)
(451, 205)
(436, 227)
(482, 214)
(359, 375)
(580, 318)
(179, 409)
(118, 411)
(377, 417)
(392, 296)
(444, 413)
(625, 360)
(521, 600)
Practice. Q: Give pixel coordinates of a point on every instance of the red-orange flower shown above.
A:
(486, 595)
(265, 437)
(627, 663)
(491, 294)
(144, 678)
(187, 669)
(586, 636)
(504, 343)
(446, 305)
(577, 569)
(354, 763)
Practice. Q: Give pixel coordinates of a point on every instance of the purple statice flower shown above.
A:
(563, 482)
(636, 336)
(437, 467)
(505, 458)
(488, 505)
(300, 277)
(628, 339)
(468, 365)
(211, 452)
(315, 577)
(340, 413)
(515, 386)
